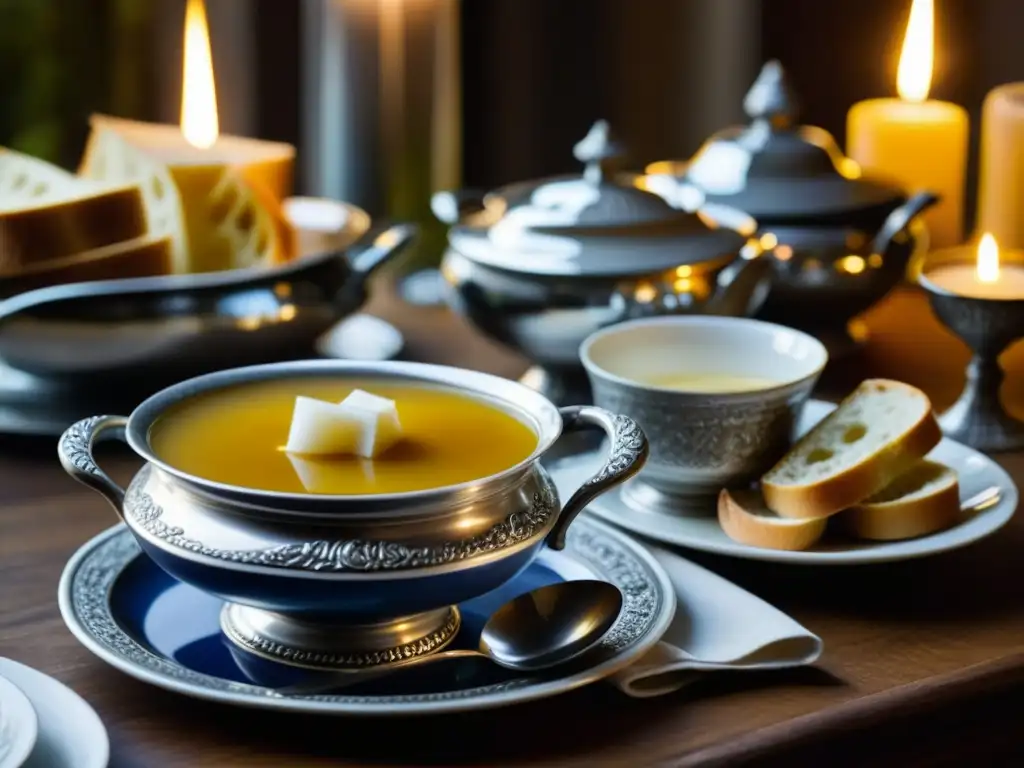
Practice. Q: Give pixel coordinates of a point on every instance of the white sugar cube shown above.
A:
(379, 426)
(319, 427)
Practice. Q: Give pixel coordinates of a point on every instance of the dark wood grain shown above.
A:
(924, 662)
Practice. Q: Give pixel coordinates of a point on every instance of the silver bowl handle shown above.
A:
(75, 453)
(626, 456)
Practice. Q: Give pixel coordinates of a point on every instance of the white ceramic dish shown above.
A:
(71, 734)
(18, 725)
(976, 471)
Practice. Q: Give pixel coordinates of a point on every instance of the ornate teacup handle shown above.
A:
(626, 457)
(75, 453)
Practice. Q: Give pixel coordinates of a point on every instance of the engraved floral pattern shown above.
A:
(75, 448)
(628, 446)
(420, 647)
(707, 434)
(337, 556)
(89, 615)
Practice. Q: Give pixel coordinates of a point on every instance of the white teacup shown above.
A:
(718, 397)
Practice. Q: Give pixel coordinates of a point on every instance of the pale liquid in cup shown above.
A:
(709, 383)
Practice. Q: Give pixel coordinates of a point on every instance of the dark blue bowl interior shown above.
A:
(181, 623)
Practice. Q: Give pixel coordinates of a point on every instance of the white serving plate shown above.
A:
(70, 734)
(976, 471)
(18, 725)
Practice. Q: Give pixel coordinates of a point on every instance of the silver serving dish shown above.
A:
(163, 329)
(539, 266)
(839, 241)
(349, 582)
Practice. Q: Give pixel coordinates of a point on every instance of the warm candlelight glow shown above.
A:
(198, 93)
(988, 259)
(914, 77)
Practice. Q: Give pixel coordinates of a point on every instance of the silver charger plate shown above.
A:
(593, 550)
(976, 471)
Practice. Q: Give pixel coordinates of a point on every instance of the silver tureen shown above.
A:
(541, 265)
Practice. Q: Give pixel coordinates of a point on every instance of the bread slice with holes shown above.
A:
(48, 214)
(923, 500)
(746, 519)
(216, 216)
(875, 435)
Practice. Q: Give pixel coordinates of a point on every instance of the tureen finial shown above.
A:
(770, 97)
(595, 149)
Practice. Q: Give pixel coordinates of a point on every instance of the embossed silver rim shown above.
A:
(350, 559)
(648, 607)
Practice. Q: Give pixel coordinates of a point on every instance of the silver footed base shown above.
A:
(643, 497)
(978, 418)
(330, 645)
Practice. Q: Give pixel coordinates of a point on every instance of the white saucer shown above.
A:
(71, 734)
(18, 725)
(977, 472)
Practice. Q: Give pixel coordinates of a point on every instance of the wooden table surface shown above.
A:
(923, 662)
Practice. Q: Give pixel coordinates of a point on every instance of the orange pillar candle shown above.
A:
(1001, 169)
(916, 142)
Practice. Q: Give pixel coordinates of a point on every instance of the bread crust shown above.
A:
(141, 257)
(902, 519)
(828, 496)
(42, 232)
(746, 527)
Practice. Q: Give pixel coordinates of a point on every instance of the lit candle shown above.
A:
(218, 197)
(918, 143)
(1001, 166)
(987, 278)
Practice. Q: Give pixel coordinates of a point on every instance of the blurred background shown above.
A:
(389, 100)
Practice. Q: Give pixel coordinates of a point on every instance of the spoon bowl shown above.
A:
(544, 628)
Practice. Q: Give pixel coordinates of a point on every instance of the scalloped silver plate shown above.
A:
(593, 547)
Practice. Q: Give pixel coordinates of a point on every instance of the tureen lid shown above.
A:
(598, 223)
(772, 168)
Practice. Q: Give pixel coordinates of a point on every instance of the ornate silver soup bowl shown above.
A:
(349, 582)
(703, 441)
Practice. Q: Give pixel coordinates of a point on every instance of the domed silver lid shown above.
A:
(774, 169)
(598, 223)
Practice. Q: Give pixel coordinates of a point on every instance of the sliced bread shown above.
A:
(875, 435)
(218, 216)
(745, 518)
(142, 257)
(49, 214)
(924, 500)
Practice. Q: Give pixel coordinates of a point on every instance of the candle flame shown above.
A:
(914, 77)
(988, 259)
(199, 122)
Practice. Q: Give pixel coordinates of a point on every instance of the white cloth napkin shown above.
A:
(716, 626)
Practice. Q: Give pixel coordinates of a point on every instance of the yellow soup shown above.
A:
(236, 435)
(710, 382)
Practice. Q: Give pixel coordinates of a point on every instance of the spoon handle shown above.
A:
(328, 682)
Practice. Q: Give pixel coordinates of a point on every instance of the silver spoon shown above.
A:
(537, 630)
